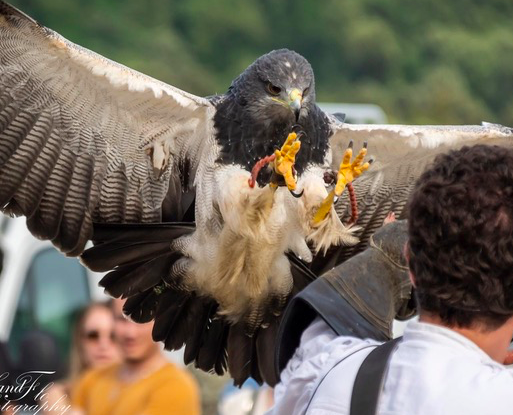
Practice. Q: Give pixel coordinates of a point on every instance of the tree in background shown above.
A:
(423, 62)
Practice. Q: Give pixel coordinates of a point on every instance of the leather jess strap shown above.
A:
(369, 380)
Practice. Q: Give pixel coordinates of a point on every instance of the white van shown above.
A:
(40, 288)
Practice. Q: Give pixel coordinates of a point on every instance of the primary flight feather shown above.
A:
(160, 180)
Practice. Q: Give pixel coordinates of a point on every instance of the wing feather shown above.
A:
(80, 135)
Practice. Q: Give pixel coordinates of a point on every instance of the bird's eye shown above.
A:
(273, 89)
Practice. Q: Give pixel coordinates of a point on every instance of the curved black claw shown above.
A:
(297, 195)
(296, 128)
(351, 144)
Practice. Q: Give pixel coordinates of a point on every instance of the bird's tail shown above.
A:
(145, 267)
(143, 261)
(254, 356)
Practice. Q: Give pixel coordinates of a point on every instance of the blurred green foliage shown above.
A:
(430, 61)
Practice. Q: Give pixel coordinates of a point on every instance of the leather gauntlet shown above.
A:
(359, 298)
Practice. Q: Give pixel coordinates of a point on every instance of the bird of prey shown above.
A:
(209, 213)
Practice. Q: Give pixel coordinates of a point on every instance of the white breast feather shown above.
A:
(243, 262)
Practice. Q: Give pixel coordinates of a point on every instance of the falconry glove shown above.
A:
(358, 298)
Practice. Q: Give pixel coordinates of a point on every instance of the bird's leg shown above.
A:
(354, 204)
(346, 174)
(257, 167)
(285, 158)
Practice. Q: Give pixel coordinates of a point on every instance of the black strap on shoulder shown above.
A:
(368, 383)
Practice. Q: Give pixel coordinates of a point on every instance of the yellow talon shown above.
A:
(285, 159)
(324, 208)
(347, 172)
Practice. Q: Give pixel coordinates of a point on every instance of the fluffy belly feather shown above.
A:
(245, 266)
(242, 260)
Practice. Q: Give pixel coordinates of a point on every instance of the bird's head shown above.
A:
(278, 86)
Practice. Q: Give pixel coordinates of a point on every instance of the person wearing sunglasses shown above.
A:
(145, 382)
(93, 346)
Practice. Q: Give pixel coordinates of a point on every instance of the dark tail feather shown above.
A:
(173, 323)
(149, 232)
(212, 354)
(117, 245)
(180, 330)
(170, 309)
(141, 307)
(240, 352)
(201, 314)
(108, 255)
(255, 364)
(265, 344)
(128, 280)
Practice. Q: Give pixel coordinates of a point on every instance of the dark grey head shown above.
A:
(277, 86)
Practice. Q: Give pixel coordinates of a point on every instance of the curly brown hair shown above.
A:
(461, 237)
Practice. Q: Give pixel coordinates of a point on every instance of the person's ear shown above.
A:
(407, 256)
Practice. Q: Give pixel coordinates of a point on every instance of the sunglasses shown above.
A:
(95, 336)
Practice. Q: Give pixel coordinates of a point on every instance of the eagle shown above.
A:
(208, 214)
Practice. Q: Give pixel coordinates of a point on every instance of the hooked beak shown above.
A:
(295, 101)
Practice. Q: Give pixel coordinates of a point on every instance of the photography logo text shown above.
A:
(28, 393)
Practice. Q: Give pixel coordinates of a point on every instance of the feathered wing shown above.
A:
(401, 154)
(85, 139)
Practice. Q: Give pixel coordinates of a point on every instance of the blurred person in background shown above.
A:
(93, 346)
(145, 382)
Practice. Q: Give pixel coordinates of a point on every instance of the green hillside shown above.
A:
(423, 61)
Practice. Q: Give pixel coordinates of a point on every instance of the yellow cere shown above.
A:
(295, 94)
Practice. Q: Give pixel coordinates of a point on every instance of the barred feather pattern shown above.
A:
(84, 139)
(401, 154)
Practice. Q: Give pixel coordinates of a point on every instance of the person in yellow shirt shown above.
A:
(145, 383)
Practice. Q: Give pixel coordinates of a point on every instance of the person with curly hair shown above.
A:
(457, 252)
(461, 240)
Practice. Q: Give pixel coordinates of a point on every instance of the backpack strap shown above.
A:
(369, 380)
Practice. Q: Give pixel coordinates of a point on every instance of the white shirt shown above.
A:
(434, 370)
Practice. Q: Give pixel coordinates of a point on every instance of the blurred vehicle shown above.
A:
(356, 113)
(41, 290)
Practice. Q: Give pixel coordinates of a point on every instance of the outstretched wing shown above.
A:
(401, 154)
(85, 139)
